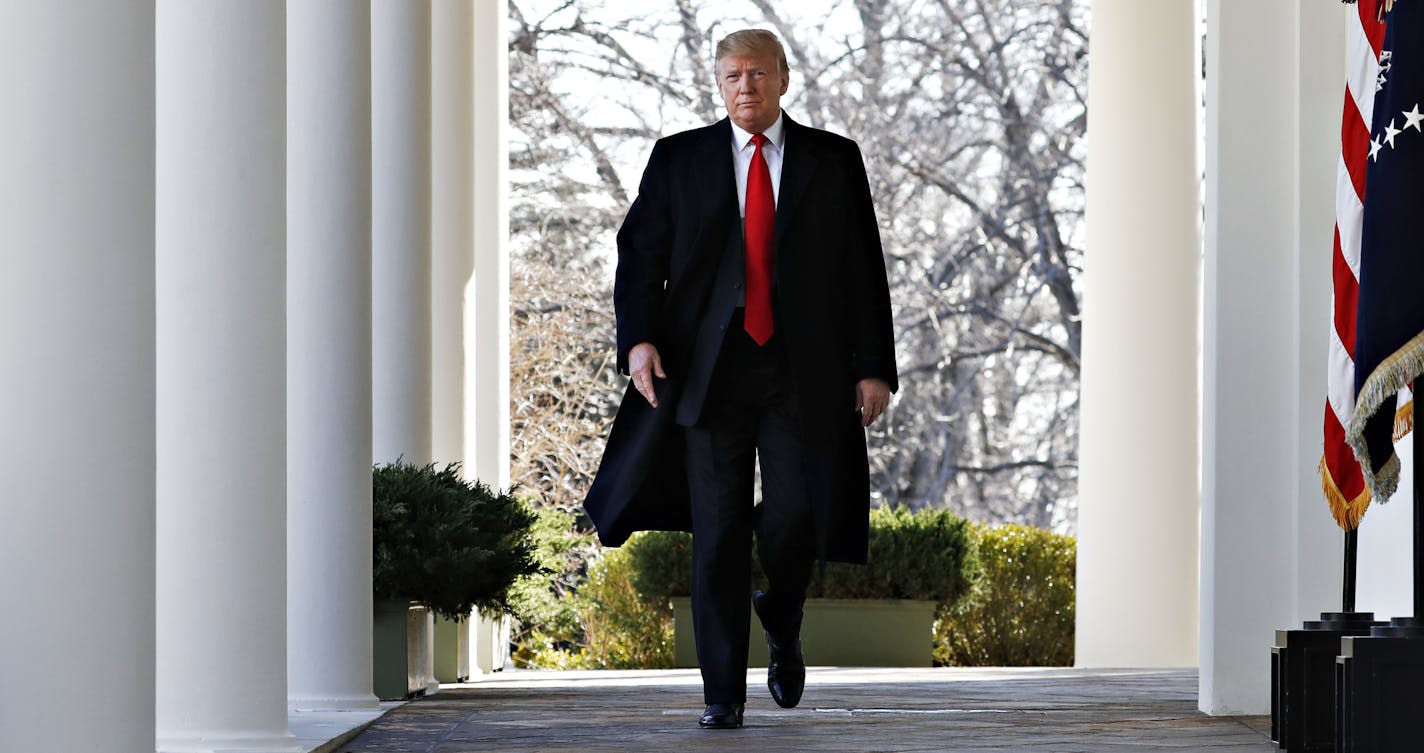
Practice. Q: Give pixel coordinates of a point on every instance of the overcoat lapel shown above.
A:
(718, 184)
(798, 165)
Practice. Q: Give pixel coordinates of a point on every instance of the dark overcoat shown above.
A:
(832, 307)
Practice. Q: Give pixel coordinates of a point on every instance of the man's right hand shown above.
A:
(644, 364)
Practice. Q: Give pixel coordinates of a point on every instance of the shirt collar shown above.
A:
(776, 134)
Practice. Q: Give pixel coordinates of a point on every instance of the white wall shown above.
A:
(1386, 566)
(1271, 553)
(1385, 575)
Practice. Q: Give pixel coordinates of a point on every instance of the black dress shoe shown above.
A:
(721, 716)
(786, 667)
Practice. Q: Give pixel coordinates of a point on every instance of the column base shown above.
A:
(355, 702)
(1303, 679)
(283, 743)
(1378, 679)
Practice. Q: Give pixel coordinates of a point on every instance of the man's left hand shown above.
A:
(871, 398)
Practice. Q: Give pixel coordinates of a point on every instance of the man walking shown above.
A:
(754, 321)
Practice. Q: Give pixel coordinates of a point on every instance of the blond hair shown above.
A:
(752, 42)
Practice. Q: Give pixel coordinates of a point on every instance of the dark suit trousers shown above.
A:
(749, 415)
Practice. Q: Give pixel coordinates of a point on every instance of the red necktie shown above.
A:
(761, 241)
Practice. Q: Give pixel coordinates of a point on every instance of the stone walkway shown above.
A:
(849, 710)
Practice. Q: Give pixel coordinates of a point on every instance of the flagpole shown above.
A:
(1352, 542)
(1418, 513)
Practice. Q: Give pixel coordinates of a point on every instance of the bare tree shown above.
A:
(970, 115)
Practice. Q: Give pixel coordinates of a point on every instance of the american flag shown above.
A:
(1389, 314)
(1340, 474)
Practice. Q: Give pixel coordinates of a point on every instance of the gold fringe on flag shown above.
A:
(1404, 420)
(1347, 512)
(1387, 379)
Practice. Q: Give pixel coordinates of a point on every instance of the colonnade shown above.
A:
(250, 247)
(235, 278)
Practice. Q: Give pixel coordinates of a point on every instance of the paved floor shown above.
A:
(850, 710)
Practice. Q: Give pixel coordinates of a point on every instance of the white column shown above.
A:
(487, 294)
(77, 388)
(452, 218)
(1270, 550)
(1138, 483)
(329, 355)
(1319, 57)
(1250, 315)
(221, 409)
(400, 229)
(400, 233)
(452, 261)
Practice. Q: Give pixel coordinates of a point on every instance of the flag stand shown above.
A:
(1303, 700)
(1379, 676)
(1303, 666)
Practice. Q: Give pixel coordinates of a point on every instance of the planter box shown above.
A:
(402, 652)
(452, 648)
(489, 638)
(479, 645)
(836, 632)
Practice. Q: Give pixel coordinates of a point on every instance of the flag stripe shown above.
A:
(1354, 148)
(1345, 299)
(1364, 64)
(1341, 394)
(1335, 433)
(1342, 479)
(1349, 224)
(1372, 26)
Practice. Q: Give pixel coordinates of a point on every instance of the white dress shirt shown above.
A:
(772, 152)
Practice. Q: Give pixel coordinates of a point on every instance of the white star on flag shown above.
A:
(1375, 146)
(1390, 132)
(1413, 119)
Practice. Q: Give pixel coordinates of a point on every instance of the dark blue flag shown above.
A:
(1389, 334)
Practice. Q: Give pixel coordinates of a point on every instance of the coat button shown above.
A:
(724, 328)
(736, 286)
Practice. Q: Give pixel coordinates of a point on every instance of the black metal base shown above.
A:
(1303, 680)
(1380, 680)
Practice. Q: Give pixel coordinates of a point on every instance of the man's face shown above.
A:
(751, 86)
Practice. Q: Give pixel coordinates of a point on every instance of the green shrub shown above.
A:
(1005, 593)
(1019, 611)
(601, 623)
(913, 555)
(920, 555)
(623, 629)
(661, 563)
(550, 633)
(450, 544)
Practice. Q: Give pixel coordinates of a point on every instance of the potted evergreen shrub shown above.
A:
(878, 614)
(446, 543)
